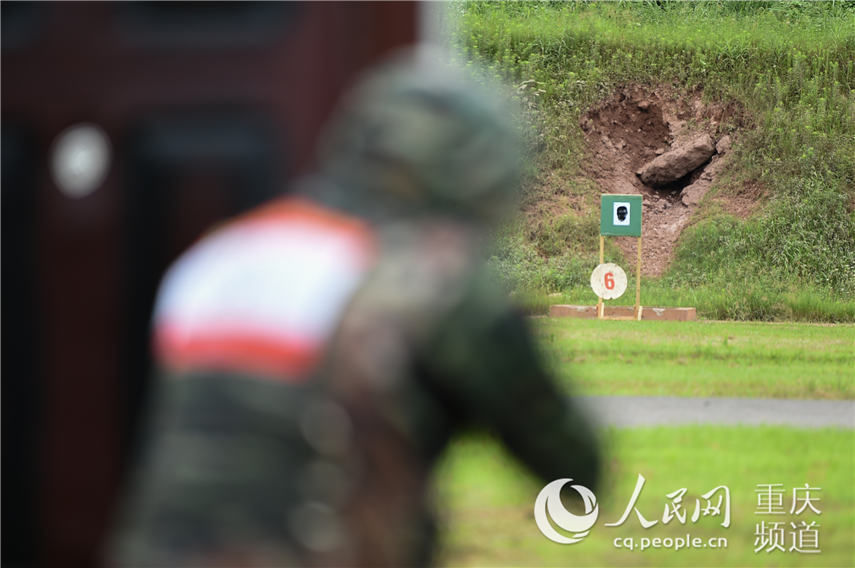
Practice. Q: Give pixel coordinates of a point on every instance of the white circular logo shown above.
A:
(548, 504)
(80, 160)
(608, 281)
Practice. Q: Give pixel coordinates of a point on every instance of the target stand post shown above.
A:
(601, 307)
(620, 216)
(638, 307)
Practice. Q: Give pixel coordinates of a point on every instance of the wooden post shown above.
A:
(638, 284)
(601, 308)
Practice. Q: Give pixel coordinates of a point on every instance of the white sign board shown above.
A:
(608, 281)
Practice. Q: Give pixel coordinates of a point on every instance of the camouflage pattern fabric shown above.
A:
(429, 347)
(313, 369)
(240, 468)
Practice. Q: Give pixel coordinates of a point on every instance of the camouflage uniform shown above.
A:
(320, 455)
(239, 423)
(430, 347)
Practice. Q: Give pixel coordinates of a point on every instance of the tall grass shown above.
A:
(791, 66)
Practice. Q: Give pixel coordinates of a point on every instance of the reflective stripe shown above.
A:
(263, 293)
(237, 350)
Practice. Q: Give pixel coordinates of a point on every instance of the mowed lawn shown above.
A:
(487, 500)
(703, 358)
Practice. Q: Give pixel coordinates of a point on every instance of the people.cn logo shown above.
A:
(548, 505)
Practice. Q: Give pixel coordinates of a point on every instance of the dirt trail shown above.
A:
(634, 126)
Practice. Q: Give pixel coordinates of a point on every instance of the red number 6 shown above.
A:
(609, 280)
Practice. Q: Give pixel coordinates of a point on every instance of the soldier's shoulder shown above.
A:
(285, 241)
(265, 285)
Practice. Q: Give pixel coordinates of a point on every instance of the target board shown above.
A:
(608, 281)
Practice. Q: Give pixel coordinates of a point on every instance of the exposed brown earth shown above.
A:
(668, 147)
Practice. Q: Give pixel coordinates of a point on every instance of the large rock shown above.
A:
(676, 163)
(694, 193)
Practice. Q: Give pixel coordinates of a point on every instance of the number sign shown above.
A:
(608, 281)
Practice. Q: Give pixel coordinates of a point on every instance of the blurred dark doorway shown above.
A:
(172, 117)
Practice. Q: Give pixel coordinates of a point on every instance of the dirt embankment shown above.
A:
(668, 147)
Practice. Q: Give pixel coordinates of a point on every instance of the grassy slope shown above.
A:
(702, 358)
(489, 518)
(791, 66)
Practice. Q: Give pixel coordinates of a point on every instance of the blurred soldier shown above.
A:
(429, 346)
(314, 368)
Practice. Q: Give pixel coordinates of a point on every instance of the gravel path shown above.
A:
(628, 411)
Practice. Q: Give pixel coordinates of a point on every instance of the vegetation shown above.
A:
(488, 498)
(727, 301)
(701, 358)
(790, 66)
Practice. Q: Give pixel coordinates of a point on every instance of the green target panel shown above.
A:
(620, 215)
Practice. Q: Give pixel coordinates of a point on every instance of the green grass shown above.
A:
(487, 499)
(786, 360)
(728, 301)
(790, 66)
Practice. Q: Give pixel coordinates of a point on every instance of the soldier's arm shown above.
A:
(491, 367)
